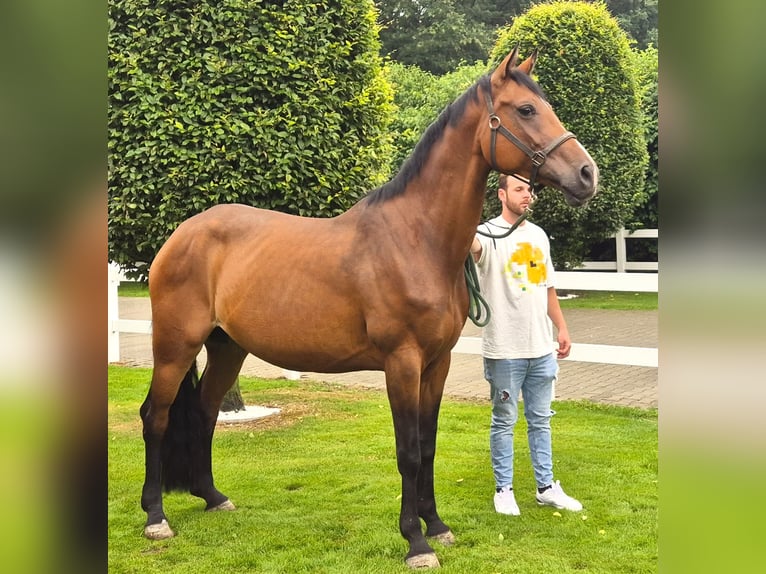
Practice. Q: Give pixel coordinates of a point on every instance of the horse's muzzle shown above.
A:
(580, 192)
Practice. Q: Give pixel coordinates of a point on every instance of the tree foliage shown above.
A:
(585, 67)
(638, 18)
(439, 35)
(278, 104)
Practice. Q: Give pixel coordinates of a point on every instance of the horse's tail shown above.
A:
(184, 436)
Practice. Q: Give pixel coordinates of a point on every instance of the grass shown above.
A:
(614, 300)
(617, 300)
(317, 489)
(133, 289)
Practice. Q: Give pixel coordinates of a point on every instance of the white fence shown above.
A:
(570, 280)
(622, 264)
(604, 281)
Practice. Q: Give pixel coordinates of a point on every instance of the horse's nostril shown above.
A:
(588, 174)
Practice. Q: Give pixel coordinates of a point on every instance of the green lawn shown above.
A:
(616, 300)
(133, 289)
(317, 489)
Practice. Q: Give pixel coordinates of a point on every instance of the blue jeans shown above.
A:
(534, 379)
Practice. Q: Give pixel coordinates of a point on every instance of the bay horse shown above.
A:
(379, 287)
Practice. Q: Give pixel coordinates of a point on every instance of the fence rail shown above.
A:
(600, 281)
(583, 353)
(621, 263)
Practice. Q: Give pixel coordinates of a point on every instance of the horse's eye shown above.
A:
(526, 111)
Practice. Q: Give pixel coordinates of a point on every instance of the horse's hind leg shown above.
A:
(224, 361)
(155, 413)
(171, 414)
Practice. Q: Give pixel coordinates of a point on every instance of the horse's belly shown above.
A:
(308, 347)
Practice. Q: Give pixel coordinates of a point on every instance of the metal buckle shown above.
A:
(492, 125)
(538, 158)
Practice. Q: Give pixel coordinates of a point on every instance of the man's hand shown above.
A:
(565, 344)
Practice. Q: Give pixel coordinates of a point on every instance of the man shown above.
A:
(516, 278)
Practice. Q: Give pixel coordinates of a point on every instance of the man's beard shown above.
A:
(517, 211)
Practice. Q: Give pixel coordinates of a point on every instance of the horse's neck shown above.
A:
(444, 201)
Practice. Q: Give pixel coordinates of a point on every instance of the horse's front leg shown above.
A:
(431, 391)
(403, 386)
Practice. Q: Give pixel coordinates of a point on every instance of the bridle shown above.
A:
(478, 308)
(538, 157)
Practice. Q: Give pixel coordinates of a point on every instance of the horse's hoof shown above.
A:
(445, 538)
(423, 561)
(158, 531)
(225, 505)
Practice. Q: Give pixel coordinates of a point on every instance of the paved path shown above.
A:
(602, 383)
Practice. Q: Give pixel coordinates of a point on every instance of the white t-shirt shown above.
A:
(514, 274)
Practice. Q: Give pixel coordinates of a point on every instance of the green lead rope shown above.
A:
(478, 308)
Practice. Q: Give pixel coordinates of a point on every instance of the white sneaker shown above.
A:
(556, 497)
(505, 502)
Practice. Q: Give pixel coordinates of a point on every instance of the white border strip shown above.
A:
(584, 352)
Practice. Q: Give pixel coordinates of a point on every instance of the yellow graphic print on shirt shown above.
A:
(527, 265)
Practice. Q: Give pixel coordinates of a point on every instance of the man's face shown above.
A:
(516, 197)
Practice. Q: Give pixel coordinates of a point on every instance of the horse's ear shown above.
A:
(529, 64)
(503, 71)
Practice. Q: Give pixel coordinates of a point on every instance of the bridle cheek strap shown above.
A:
(538, 157)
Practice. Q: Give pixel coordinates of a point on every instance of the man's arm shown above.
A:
(476, 249)
(554, 312)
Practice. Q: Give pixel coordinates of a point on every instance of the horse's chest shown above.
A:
(439, 322)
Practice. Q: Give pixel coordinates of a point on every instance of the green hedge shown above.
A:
(281, 105)
(420, 97)
(647, 64)
(586, 68)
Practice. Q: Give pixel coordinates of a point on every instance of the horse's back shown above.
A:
(220, 224)
(272, 281)
(204, 240)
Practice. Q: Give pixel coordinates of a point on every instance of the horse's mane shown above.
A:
(451, 114)
(411, 167)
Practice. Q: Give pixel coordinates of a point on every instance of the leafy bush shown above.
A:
(586, 68)
(646, 62)
(419, 98)
(281, 105)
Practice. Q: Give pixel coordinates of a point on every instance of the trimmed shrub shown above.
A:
(420, 97)
(586, 68)
(647, 62)
(280, 105)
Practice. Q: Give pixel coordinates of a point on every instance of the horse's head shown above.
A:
(523, 135)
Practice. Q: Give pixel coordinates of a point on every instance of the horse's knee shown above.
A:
(408, 462)
(155, 418)
(427, 453)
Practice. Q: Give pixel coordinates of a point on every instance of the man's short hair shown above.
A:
(503, 180)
